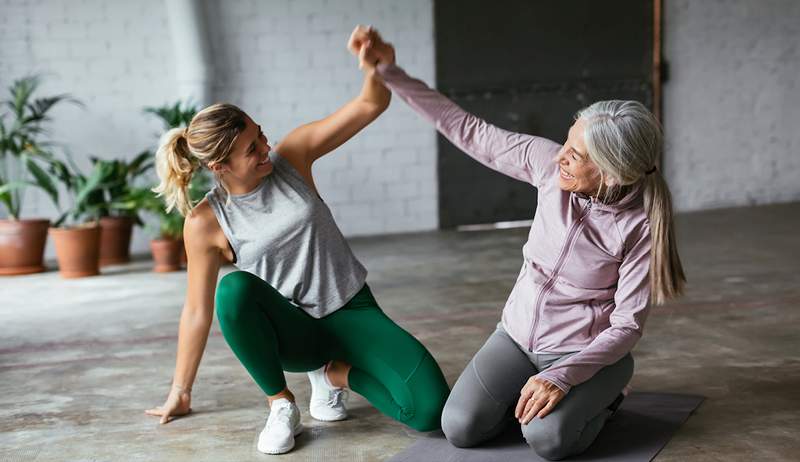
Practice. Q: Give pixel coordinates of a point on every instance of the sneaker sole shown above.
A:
(334, 419)
(274, 451)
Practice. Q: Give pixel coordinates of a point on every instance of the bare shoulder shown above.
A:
(201, 227)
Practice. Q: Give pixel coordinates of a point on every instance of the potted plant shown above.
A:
(22, 151)
(76, 233)
(116, 222)
(167, 245)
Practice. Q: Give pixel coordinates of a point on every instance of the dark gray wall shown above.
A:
(528, 66)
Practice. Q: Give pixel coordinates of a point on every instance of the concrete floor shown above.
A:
(81, 359)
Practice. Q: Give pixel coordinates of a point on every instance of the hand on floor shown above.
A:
(178, 403)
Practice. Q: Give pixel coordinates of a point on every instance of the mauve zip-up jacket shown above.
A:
(584, 283)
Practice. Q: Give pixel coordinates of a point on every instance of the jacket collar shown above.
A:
(632, 198)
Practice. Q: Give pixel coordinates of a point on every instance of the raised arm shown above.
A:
(204, 261)
(524, 157)
(307, 143)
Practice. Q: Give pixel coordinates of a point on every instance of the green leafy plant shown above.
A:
(179, 114)
(86, 191)
(119, 183)
(170, 224)
(22, 150)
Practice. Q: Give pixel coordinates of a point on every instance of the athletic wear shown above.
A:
(283, 424)
(584, 282)
(285, 234)
(390, 368)
(485, 396)
(328, 403)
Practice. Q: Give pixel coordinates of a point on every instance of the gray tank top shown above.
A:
(285, 234)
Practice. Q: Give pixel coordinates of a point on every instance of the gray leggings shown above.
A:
(484, 397)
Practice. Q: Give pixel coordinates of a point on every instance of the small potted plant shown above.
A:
(76, 233)
(167, 245)
(22, 154)
(117, 215)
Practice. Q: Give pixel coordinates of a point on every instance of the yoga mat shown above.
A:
(642, 426)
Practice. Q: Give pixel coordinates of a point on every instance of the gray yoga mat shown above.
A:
(638, 431)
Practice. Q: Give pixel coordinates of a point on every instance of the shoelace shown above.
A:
(336, 396)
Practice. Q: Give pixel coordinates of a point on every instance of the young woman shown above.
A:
(600, 250)
(300, 301)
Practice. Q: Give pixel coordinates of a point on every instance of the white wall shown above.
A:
(284, 62)
(732, 104)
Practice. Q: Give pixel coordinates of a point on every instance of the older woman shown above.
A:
(601, 249)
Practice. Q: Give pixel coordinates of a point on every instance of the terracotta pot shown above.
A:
(22, 246)
(78, 250)
(166, 254)
(115, 240)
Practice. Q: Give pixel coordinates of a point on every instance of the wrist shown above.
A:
(182, 388)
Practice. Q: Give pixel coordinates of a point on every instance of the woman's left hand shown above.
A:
(537, 398)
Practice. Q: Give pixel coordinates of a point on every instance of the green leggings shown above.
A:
(390, 368)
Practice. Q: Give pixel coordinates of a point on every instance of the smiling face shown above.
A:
(248, 162)
(577, 172)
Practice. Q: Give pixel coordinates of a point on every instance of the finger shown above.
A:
(362, 56)
(546, 410)
(356, 38)
(530, 404)
(155, 411)
(523, 400)
(535, 407)
(165, 418)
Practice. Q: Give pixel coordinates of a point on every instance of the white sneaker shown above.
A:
(327, 402)
(283, 424)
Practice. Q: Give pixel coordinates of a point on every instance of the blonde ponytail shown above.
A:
(208, 140)
(175, 165)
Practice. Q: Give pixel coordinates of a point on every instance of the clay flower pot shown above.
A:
(22, 246)
(78, 250)
(115, 240)
(166, 254)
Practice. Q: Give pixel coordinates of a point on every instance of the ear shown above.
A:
(611, 181)
(218, 168)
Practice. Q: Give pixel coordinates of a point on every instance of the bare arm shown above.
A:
(307, 143)
(204, 259)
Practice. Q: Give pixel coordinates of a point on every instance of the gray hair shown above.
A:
(624, 140)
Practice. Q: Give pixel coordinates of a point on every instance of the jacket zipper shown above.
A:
(559, 262)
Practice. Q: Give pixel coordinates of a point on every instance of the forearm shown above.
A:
(374, 94)
(192, 337)
(606, 349)
(518, 155)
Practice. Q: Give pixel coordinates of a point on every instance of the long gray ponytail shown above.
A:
(624, 140)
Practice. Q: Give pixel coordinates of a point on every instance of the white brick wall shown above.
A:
(285, 63)
(282, 61)
(732, 105)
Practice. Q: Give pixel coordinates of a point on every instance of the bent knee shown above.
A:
(426, 416)
(231, 293)
(460, 427)
(548, 441)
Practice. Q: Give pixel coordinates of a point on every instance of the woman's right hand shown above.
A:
(178, 403)
(368, 45)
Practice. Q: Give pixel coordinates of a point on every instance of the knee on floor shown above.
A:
(548, 441)
(460, 428)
